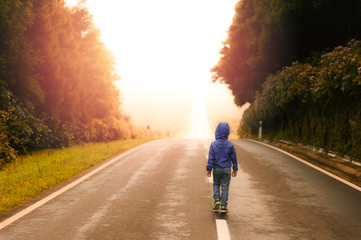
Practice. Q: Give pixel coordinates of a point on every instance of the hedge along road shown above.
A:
(159, 191)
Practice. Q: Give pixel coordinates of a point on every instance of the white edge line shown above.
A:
(222, 229)
(65, 188)
(311, 165)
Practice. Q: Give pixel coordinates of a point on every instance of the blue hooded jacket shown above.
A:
(222, 153)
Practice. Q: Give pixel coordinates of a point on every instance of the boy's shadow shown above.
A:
(218, 215)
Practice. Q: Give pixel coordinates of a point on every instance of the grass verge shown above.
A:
(30, 175)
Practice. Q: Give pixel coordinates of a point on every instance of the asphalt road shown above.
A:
(159, 191)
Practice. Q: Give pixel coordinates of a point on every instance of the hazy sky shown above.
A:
(164, 51)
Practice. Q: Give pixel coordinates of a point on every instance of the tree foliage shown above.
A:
(56, 79)
(266, 35)
(315, 103)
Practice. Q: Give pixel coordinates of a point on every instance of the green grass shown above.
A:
(30, 175)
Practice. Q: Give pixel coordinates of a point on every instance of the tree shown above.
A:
(56, 79)
(17, 58)
(266, 35)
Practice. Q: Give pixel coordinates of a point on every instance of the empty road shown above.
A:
(160, 191)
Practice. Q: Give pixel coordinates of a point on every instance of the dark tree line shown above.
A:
(266, 35)
(56, 79)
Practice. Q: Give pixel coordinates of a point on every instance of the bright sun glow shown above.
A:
(164, 51)
(199, 126)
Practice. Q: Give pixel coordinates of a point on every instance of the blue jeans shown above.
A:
(221, 180)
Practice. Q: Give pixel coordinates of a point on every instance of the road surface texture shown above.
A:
(159, 191)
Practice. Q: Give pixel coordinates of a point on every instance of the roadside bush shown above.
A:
(314, 103)
(21, 132)
(7, 153)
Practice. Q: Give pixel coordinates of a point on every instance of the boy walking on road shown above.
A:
(222, 157)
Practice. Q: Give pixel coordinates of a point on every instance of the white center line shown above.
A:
(222, 230)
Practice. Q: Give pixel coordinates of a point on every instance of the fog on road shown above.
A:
(160, 191)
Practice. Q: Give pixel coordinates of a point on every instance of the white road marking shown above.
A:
(311, 165)
(62, 190)
(222, 229)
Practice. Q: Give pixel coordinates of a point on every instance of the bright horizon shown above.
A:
(164, 51)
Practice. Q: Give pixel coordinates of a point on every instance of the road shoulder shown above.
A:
(333, 164)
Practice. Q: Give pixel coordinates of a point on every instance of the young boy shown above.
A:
(221, 158)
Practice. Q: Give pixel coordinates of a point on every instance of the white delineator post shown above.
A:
(260, 130)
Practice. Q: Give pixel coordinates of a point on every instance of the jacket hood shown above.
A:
(222, 131)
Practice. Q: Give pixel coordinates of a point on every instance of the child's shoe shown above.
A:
(224, 209)
(216, 205)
